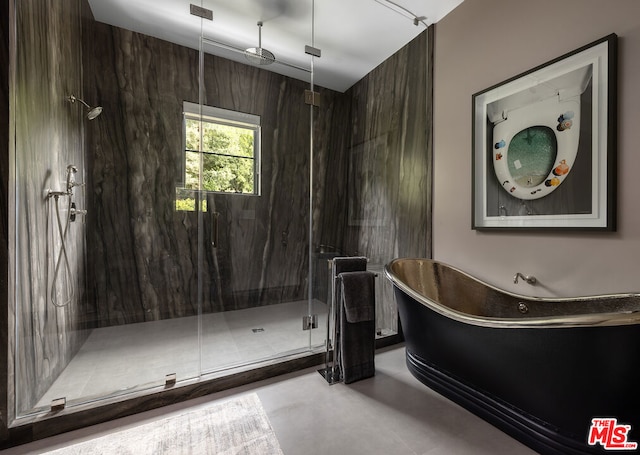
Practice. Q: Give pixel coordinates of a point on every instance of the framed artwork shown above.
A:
(544, 145)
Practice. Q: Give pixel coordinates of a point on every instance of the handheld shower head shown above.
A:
(71, 170)
(93, 111)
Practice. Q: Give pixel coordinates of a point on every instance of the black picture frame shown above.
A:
(544, 145)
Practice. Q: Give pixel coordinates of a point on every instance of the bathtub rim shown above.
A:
(564, 321)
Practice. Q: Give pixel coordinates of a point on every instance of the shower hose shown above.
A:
(62, 255)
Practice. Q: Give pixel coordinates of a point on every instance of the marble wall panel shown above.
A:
(143, 255)
(263, 239)
(48, 137)
(379, 190)
(4, 219)
(332, 139)
(141, 259)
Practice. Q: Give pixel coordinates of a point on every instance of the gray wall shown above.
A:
(481, 43)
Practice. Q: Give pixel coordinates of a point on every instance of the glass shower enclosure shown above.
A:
(166, 237)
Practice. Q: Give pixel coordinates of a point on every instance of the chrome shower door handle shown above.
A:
(214, 229)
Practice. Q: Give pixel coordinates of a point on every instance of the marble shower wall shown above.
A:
(48, 137)
(4, 215)
(379, 188)
(143, 256)
(371, 179)
(141, 253)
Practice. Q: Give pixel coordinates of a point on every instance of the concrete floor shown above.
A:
(391, 414)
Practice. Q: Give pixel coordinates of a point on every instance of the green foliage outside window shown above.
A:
(186, 201)
(225, 164)
(227, 158)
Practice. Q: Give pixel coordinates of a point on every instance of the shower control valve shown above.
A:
(75, 211)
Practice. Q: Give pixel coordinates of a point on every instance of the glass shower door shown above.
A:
(106, 266)
(163, 278)
(256, 263)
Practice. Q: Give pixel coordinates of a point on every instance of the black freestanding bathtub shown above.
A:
(539, 369)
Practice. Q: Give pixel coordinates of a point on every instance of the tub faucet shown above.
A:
(528, 279)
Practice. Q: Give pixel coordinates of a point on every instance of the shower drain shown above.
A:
(259, 329)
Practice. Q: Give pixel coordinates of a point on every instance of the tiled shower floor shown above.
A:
(123, 358)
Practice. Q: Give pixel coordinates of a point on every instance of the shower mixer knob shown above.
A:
(75, 211)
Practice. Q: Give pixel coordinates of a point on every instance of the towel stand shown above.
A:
(332, 371)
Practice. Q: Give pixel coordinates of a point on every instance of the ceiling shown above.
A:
(354, 36)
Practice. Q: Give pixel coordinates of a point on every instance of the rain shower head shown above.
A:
(93, 111)
(259, 55)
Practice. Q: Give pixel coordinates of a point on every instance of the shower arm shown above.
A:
(73, 99)
(92, 113)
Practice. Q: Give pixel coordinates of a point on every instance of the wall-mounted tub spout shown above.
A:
(527, 278)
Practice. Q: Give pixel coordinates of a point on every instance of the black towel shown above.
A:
(358, 295)
(357, 339)
(348, 264)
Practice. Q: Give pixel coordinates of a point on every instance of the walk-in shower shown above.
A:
(161, 269)
(178, 278)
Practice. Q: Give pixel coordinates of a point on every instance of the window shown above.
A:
(227, 160)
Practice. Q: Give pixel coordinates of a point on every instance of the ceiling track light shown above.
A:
(393, 6)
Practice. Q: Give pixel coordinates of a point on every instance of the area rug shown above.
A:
(238, 426)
